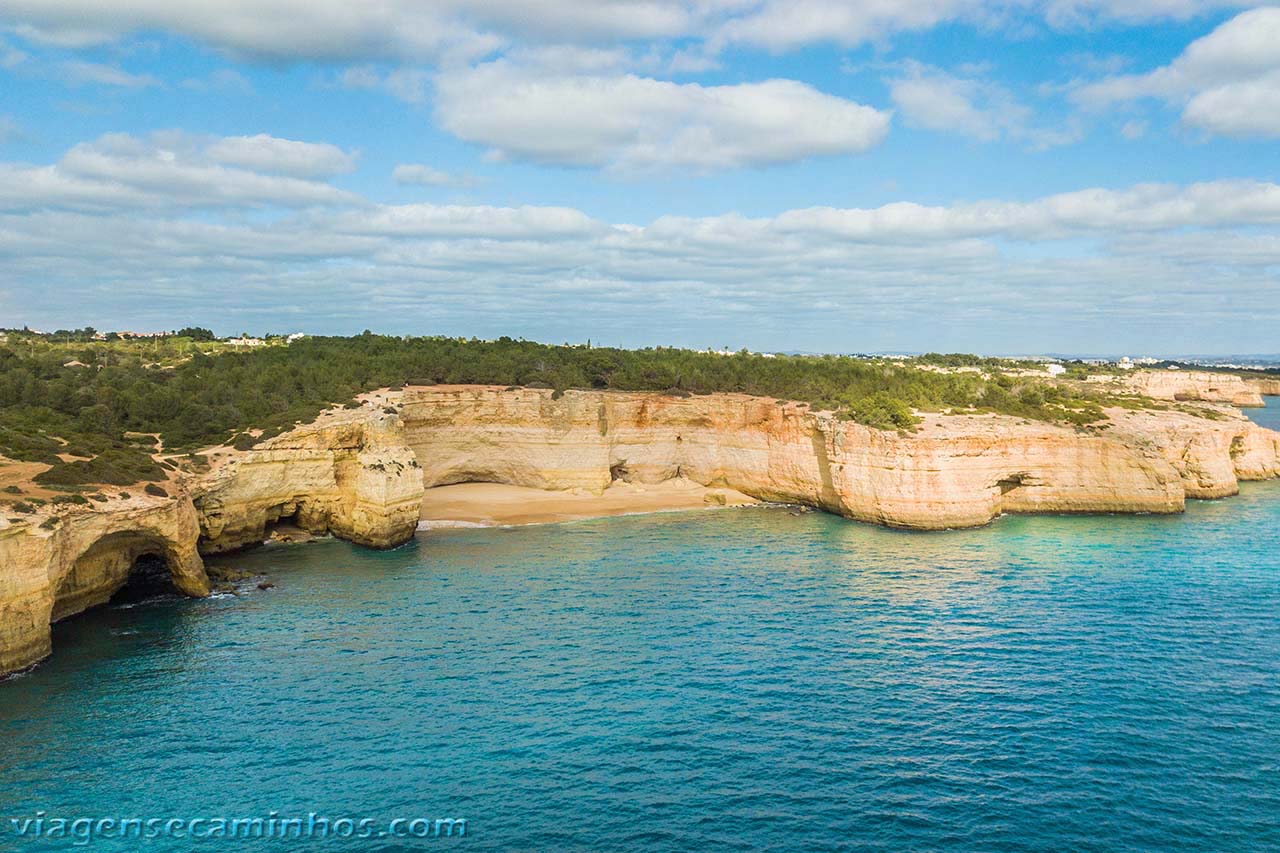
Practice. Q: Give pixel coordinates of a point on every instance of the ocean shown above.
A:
(734, 679)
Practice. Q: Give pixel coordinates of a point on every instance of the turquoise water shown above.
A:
(728, 680)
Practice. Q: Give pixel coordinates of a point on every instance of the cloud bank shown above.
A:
(249, 232)
(415, 31)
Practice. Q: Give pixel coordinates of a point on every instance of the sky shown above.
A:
(1010, 177)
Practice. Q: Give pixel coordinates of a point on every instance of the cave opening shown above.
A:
(618, 471)
(284, 524)
(1013, 481)
(131, 564)
(149, 577)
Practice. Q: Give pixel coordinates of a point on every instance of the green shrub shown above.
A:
(117, 466)
(881, 411)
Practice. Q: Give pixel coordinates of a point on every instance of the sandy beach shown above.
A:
(496, 504)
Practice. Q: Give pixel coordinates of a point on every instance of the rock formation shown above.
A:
(1266, 385)
(1184, 385)
(349, 474)
(57, 565)
(360, 474)
(955, 471)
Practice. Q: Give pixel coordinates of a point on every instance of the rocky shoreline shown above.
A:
(361, 474)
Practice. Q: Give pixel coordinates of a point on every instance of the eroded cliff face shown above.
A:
(956, 471)
(350, 474)
(50, 570)
(1211, 457)
(1265, 385)
(360, 474)
(1185, 385)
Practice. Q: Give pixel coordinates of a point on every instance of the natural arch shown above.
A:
(107, 565)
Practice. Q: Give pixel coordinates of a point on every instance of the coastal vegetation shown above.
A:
(94, 409)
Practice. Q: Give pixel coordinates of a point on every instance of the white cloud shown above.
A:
(1140, 209)
(1072, 13)
(268, 29)
(626, 122)
(417, 174)
(477, 221)
(408, 84)
(119, 171)
(426, 32)
(78, 73)
(338, 30)
(1247, 108)
(11, 57)
(1133, 129)
(787, 24)
(1225, 82)
(221, 80)
(780, 25)
(938, 101)
(263, 153)
(933, 99)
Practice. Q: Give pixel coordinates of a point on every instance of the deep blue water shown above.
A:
(1268, 417)
(728, 680)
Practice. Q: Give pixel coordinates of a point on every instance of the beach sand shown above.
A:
(497, 504)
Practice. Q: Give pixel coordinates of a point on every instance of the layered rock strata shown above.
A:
(955, 471)
(351, 475)
(1265, 385)
(360, 474)
(55, 566)
(1185, 385)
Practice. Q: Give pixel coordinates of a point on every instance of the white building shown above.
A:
(1055, 369)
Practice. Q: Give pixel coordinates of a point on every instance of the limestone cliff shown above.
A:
(360, 474)
(63, 562)
(957, 471)
(1209, 456)
(349, 474)
(1266, 385)
(1184, 385)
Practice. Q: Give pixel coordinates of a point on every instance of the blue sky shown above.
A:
(1011, 177)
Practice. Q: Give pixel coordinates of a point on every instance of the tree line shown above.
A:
(82, 397)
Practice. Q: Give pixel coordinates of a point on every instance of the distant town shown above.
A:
(88, 333)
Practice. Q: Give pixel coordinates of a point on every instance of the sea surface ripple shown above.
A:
(738, 679)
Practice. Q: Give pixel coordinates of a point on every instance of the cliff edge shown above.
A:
(360, 474)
